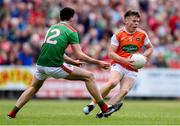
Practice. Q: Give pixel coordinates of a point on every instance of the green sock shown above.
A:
(101, 103)
(15, 109)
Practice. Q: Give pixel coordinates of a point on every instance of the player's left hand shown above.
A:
(104, 65)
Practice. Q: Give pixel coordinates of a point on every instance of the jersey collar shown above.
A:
(127, 31)
(63, 22)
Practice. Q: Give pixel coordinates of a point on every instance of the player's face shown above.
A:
(132, 23)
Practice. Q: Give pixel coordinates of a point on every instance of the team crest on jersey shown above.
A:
(130, 48)
(137, 39)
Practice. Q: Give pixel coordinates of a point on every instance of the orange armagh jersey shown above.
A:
(129, 43)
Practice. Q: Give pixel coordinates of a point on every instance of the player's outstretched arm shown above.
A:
(82, 56)
(69, 60)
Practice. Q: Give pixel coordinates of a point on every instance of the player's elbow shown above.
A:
(150, 52)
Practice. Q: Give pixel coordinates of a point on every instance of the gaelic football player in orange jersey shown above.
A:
(128, 40)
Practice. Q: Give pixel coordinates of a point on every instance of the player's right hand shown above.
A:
(129, 62)
(104, 65)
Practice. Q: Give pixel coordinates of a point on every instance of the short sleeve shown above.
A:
(146, 40)
(73, 38)
(114, 40)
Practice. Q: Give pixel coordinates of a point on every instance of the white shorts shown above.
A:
(62, 71)
(125, 72)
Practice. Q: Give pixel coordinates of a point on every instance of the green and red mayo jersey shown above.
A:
(55, 43)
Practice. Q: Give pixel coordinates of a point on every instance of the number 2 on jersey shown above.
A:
(52, 39)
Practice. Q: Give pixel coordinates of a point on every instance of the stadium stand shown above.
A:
(23, 24)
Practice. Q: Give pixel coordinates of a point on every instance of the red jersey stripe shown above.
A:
(71, 28)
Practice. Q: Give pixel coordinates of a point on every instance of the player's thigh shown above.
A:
(116, 73)
(79, 74)
(127, 83)
(39, 77)
(114, 77)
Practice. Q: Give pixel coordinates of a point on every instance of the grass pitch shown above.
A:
(69, 112)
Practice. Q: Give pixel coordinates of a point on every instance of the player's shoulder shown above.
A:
(119, 31)
(65, 27)
(70, 28)
(141, 31)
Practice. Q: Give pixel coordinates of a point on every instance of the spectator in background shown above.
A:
(25, 56)
(5, 47)
(174, 20)
(160, 61)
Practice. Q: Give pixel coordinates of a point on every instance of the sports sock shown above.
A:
(13, 112)
(103, 106)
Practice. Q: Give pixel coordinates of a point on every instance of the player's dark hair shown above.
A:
(131, 13)
(66, 14)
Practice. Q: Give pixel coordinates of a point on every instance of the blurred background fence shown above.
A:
(23, 24)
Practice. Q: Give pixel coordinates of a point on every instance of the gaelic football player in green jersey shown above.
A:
(51, 62)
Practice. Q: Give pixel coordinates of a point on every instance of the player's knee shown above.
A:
(125, 91)
(90, 77)
(36, 87)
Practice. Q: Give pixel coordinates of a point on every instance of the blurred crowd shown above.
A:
(23, 24)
